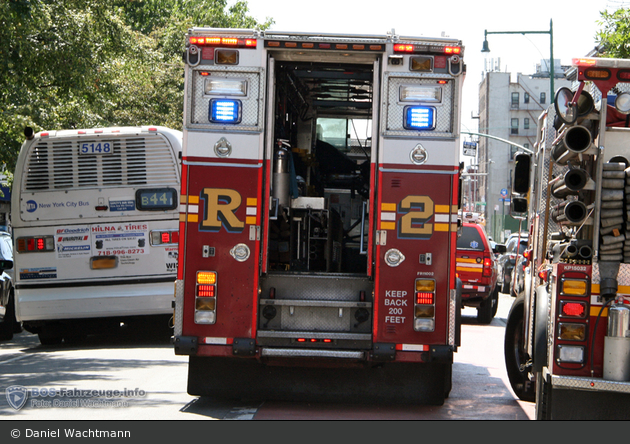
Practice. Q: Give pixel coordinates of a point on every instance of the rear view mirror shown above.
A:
(6, 264)
(500, 248)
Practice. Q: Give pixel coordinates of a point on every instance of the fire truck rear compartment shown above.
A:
(320, 168)
(317, 292)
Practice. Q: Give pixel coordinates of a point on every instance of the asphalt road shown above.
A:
(138, 377)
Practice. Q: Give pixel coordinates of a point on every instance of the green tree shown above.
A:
(87, 63)
(614, 34)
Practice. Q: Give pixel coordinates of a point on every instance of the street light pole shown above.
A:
(551, 62)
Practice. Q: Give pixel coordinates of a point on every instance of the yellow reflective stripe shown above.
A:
(468, 261)
(388, 225)
(595, 310)
(252, 201)
(470, 270)
(441, 227)
(388, 207)
(250, 220)
(442, 209)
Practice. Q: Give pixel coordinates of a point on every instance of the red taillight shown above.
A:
(164, 237)
(573, 309)
(207, 291)
(35, 244)
(487, 267)
(424, 297)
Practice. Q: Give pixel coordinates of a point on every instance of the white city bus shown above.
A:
(95, 226)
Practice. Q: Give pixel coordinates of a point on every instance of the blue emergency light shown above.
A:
(225, 111)
(419, 118)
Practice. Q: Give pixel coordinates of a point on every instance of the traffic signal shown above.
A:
(520, 186)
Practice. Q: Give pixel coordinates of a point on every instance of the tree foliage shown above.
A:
(87, 63)
(614, 35)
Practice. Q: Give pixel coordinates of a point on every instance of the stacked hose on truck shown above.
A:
(612, 232)
(626, 247)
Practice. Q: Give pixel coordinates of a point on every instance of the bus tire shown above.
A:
(9, 324)
(50, 334)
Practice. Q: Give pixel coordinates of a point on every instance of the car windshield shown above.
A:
(470, 240)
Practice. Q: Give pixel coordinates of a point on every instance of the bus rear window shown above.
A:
(156, 199)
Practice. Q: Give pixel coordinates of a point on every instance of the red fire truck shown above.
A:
(318, 215)
(567, 343)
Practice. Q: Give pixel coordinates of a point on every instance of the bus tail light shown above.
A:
(424, 305)
(206, 297)
(164, 237)
(33, 244)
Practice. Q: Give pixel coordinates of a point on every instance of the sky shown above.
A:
(574, 29)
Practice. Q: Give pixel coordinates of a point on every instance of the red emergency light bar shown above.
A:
(415, 49)
(222, 41)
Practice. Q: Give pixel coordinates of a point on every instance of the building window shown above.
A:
(526, 97)
(514, 126)
(515, 98)
(543, 97)
(513, 151)
(526, 123)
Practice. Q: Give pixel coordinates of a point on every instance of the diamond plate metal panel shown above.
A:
(306, 353)
(252, 103)
(315, 318)
(394, 117)
(591, 384)
(310, 287)
(178, 319)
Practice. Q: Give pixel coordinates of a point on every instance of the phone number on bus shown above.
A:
(121, 252)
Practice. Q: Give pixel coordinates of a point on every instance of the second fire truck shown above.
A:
(567, 343)
(318, 220)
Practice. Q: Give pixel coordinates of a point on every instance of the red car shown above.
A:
(477, 268)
